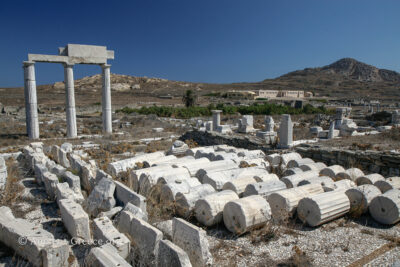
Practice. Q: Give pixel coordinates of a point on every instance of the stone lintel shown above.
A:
(47, 58)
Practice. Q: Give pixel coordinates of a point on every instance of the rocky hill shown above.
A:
(349, 68)
(345, 78)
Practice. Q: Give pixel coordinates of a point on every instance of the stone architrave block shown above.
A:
(193, 241)
(75, 219)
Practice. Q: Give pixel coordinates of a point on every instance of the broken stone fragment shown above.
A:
(193, 241)
(32, 242)
(101, 198)
(105, 256)
(75, 219)
(104, 230)
(171, 255)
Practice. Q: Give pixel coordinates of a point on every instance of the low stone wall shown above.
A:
(213, 138)
(385, 163)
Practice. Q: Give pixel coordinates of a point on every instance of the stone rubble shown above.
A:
(105, 256)
(101, 198)
(211, 183)
(104, 230)
(193, 241)
(170, 254)
(32, 242)
(75, 219)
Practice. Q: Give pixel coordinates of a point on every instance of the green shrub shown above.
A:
(213, 94)
(255, 109)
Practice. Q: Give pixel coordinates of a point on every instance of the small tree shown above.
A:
(189, 98)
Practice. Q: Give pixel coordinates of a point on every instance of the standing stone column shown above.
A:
(216, 114)
(70, 100)
(286, 131)
(32, 121)
(331, 132)
(106, 99)
(269, 124)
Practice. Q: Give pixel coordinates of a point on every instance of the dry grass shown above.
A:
(158, 146)
(191, 143)
(244, 164)
(394, 241)
(13, 188)
(387, 140)
(298, 259)
(393, 134)
(265, 234)
(159, 211)
(361, 146)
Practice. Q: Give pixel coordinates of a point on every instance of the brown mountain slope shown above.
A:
(351, 69)
(346, 77)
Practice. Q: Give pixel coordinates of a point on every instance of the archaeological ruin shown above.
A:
(68, 56)
(237, 185)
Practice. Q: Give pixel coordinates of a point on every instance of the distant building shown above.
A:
(308, 94)
(282, 93)
(241, 94)
(268, 93)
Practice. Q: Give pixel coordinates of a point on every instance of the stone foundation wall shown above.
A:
(213, 138)
(387, 164)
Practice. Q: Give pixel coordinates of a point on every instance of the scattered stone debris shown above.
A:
(152, 208)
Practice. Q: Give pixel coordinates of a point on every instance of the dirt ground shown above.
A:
(385, 141)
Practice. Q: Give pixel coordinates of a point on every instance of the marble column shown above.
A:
(216, 115)
(269, 124)
(331, 132)
(32, 120)
(70, 100)
(106, 99)
(286, 132)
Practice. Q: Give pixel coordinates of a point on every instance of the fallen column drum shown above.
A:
(318, 209)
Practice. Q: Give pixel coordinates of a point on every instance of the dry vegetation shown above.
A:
(13, 187)
(386, 141)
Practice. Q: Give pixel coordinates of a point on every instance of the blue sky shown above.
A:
(213, 41)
